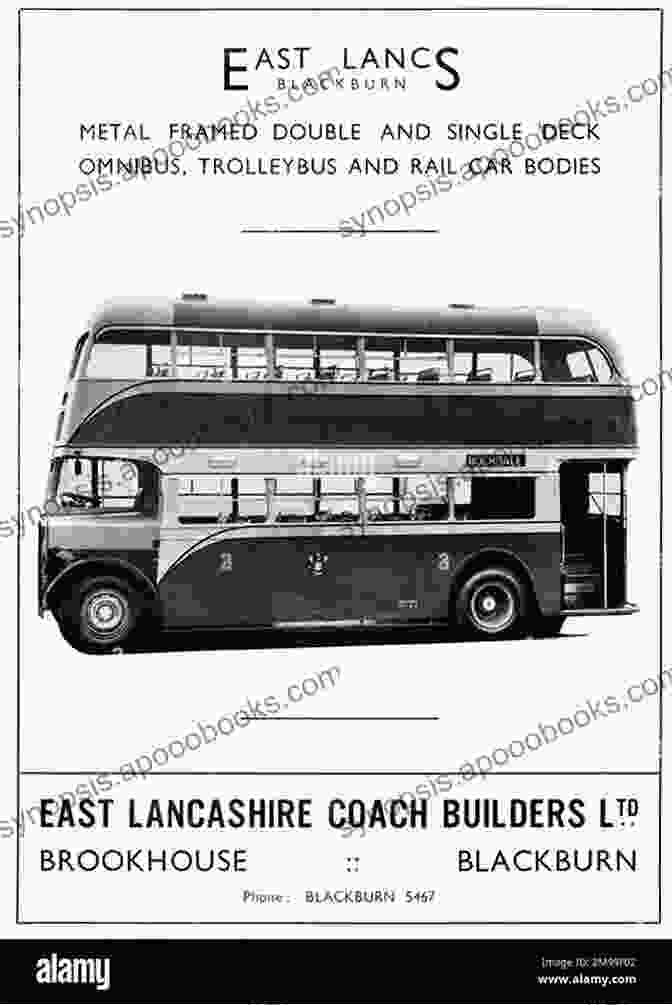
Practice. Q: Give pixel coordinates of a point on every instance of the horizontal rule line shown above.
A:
(350, 231)
(345, 10)
(345, 924)
(344, 718)
(401, 773)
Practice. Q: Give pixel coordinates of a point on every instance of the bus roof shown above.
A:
(200, 311)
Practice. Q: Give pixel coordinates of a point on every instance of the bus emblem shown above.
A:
(317, 563)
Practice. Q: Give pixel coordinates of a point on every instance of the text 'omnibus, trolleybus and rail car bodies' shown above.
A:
(221, 464)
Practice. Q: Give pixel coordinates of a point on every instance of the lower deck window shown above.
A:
(483, 498)
(344, 499)
(440, 497)
(210, 499)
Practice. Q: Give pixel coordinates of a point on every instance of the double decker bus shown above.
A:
(226, 465)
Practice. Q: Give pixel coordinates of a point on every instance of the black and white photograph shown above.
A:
(334, 528)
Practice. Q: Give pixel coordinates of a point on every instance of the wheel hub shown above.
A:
(105, 613)
(493, 607)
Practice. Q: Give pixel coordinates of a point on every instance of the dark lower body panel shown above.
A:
(354, 580)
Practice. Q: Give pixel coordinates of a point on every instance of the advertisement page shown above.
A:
(334, 588)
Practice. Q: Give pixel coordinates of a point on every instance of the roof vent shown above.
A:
(322, 302)
(194, 296)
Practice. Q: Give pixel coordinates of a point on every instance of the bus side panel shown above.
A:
(382, 578)
(287, 419)
(223, 583)
(540, 553)
(416, 574)
(386, 577)
(257, 582)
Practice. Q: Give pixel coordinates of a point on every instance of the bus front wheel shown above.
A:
(100, 614)
(491, 604)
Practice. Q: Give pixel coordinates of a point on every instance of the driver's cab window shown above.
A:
(98, 483)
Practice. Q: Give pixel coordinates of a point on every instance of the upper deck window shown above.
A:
(132, 355)
(407, 360)
(296, 357)
(119, 355)
(315, 357)
(573, 361)
(493, 361)
(111, 359)
(334, 357)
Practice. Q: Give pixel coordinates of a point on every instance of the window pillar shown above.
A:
(95, 482)
(450, 359)
(173, 353)
(450, 496)
(270, 356)
(235, 501)
(537, 360)
(269, 491)
(361, 497)
(361, 359)
(170, 490)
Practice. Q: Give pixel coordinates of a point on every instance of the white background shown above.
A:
(588, 242)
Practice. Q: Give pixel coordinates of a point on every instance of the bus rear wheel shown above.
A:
(100, 615)
(491, 604)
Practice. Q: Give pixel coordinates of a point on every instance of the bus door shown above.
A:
(593, 514)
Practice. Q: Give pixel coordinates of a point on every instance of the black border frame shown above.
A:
(19, 774)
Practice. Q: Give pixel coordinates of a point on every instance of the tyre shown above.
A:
(491, 604)
(101, 614)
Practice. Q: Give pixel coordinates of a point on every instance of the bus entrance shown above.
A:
(593, 515)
